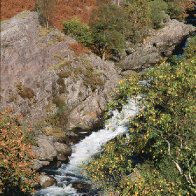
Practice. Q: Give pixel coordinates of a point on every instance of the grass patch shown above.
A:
(56, 132)
(61, 65)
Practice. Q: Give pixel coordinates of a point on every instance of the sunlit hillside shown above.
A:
(64, 9)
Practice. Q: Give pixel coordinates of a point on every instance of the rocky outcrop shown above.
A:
(51, 85)
(41, 74)
(156, 47)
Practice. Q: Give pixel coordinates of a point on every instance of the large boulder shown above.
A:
(161, 43)
(48, 151)
(46, 181)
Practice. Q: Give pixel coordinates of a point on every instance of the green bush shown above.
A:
(109, 26)
(138, 19)
(190, 50)
(158, 12)
(78, 30)
(177, 9)
(159, 156)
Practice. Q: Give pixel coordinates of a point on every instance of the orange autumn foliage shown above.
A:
(79, 48)
(15, 155)
(9, 8)
(64, 9)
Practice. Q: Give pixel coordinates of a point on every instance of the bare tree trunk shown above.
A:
(103, 56)
(47, 25)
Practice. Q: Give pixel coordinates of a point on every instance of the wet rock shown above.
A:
(63, 151)
(81, 186)
(37, 164)
(45, 150)
(48, 152)
(46, 181)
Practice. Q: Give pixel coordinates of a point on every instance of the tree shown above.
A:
(178, 8)
(158, 12)
(109, 27)
(139, 19)
(190, 49)
(45, 9)
(78, 30)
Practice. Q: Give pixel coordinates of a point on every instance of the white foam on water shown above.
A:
(58, 191)
(92, 145)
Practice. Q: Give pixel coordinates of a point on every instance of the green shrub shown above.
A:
(177, 9)
(158, 12)
(78, 30)
(109, 25)
(190, 50)
(159, 156)
(139, 20)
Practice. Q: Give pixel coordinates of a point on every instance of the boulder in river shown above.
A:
(46, 181)
(81, 186)
(48, 150)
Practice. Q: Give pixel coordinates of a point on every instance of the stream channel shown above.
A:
(71, 173)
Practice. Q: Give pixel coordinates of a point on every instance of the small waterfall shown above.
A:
(87, 148)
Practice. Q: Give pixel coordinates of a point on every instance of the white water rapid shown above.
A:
(86, 149)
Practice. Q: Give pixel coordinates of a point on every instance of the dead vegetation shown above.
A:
(64, 9)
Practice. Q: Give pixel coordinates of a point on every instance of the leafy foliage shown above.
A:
(15, 156)
(109, 26)
(158, 12)
(190, 50)
(113, 26)
(139, 19)
(158, 157)
(78, 30)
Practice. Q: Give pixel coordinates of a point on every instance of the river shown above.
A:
(72, 173)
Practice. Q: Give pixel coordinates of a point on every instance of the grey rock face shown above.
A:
(42, 78)
(41, 74)
(63, 151)
(158, 46)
